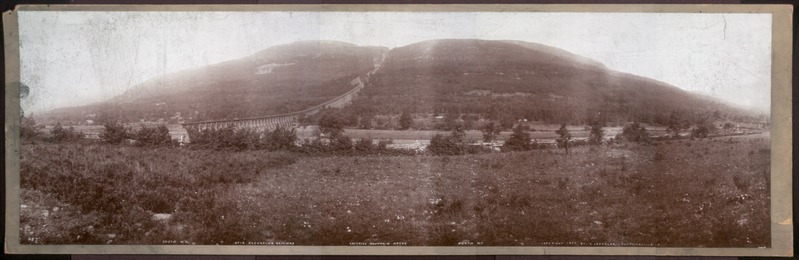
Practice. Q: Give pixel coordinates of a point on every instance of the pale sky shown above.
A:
(77, 58)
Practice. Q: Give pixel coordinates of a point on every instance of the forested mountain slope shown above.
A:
(280, 79)
(492, 79)
(521, 80)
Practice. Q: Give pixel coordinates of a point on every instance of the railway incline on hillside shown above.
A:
(271, 122)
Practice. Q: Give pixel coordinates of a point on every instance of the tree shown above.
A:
(114, 133)
(61, 134)
(490, 132)
(717, 115)
(451, 144)
(152, 136)
(364, 144)
(468, 120)
(58, 132)
(444, 145)
(728, 126)
(564, 138)
(304, 120)
(703, 130)
(597, 133)
(340, 143)
(405, 120)
(458, 132)
(450, 120)
(635, 132)
(366, 121)
(506, 122)
(28, 129)
(280, 139)
(331, 123)
(519, 140)
(676, 123)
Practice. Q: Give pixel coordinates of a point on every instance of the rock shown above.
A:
(161, 217)
(111, 236)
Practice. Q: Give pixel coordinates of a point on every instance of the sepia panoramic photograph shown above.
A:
(293, 128)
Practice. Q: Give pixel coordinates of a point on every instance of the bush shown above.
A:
(242, 139)
(152, 136)
(445, 145)
(490, 131)
(28, 130)
(364, 145)
(61, 134)
(331, 122)
(635, 133)
(703, 130)
(596, 134)
(565, 137)
(280, 139)
(405, 120)
(340, 142)
(518, 141)
(114, 133)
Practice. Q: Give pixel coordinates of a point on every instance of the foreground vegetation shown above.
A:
(676, 193)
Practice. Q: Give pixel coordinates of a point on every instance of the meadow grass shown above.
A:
(701, 193)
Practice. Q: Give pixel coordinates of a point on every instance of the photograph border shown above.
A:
(781, 137)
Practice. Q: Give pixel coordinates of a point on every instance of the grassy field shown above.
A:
(702, 193)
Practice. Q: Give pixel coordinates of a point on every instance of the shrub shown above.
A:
(230, 138)
(518, 141)
(331, 122)
(565, 137)
(728, 126)
(490, 132)
(445, 145)
(61, 134)
(243, 139)
(635, 133)
(152, 136)
(405, 120)
(28, 130)
(703, 130)
(315, 146)
(280, 139)
(114, 133)
(596, 134)
(340, 142)
(364, 145)
(451, 144)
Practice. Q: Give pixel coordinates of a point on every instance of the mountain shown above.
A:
(280, 79)
(493, 79)
(521, 80)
